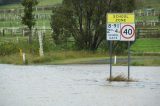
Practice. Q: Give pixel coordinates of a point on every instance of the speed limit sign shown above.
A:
(127, 32)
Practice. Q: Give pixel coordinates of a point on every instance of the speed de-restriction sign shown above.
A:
(127, 32)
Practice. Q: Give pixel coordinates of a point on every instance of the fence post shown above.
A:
(17, 40)
(11, 32)
(154, 23)
(138, 33)
(3, 32)
(23, 33)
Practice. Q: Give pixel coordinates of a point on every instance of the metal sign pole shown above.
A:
(110, 60)
(120, 27)
(129, 60)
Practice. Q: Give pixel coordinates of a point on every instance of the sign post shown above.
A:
(110, 60)
(129, 55)
(120, 27)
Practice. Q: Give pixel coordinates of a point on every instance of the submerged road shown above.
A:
(120, 60)
(77, 85)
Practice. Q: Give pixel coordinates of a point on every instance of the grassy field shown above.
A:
(146, 3)
(76, 57)
(152, 3)
(147, 45)
(49, 2)
(46, 22)
(54, 57)
(41, 3)
(142, 18)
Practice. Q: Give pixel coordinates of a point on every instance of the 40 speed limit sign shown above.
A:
(127, 32)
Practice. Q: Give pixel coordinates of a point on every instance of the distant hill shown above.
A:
(4, 2)
(16, 3)
(12, 4)
(152, 3)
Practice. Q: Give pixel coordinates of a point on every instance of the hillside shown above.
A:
(8, 4)
(6, 18)
(4, 2)
(16, 3)
(151, 3)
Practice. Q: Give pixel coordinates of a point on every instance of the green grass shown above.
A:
(43, 12)
(49, 2)
(74, 57)
(153, 62)
(152, 3)
(17, 23)
(41, 3)
(11, 24)
(146, 45)
(54, 57)
(146, 18)
(146, 3)
(11, 6)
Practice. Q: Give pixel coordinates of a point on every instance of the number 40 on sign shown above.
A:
(127, 32)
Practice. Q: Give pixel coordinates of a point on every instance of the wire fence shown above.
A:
(148, 33)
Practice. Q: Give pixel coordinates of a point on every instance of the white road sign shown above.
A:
(120, 26)
(113, 31)
(127, 32)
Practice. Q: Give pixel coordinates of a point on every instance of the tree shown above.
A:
(59, 24)
(28, 18)
(85, 20)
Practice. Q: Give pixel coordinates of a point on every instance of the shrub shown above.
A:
(8, 48)
(136, 63)
(29, 48)
(41, 60)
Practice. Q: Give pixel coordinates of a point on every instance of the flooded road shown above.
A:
(77, 85)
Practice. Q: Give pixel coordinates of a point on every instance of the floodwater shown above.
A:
(77, 85)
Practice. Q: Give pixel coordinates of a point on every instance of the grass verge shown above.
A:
(77, 57)
(57, 57)
(152, 62)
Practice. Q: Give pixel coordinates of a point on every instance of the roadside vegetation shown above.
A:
(57, 57)
(120, 78)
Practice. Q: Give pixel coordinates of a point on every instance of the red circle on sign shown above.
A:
(131, 35)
